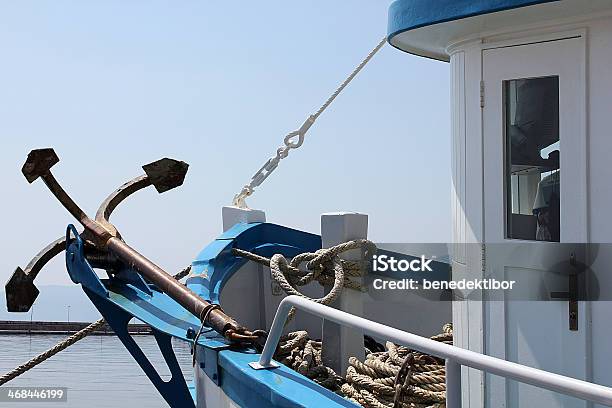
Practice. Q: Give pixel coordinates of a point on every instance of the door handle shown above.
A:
(571, 295)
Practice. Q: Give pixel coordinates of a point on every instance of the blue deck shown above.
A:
(278, 387)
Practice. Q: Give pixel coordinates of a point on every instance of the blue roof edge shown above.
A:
(406, 15)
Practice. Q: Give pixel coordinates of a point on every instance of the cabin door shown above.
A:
(534, 212)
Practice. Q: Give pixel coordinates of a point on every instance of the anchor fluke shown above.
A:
(38, 163)
(20, 292)
(166, 174)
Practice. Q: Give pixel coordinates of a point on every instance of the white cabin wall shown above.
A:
(458, 156)
(467, 233)
(599, 77)
(467, 192)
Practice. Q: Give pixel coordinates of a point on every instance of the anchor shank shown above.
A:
(217, 319)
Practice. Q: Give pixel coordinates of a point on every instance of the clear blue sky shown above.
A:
(114, 85)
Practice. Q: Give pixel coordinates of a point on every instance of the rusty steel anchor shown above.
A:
(105, 237)
(164, 174)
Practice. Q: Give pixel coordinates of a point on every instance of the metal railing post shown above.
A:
(274, 335)
(453, 384)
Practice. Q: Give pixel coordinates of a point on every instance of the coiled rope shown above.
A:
(297, 351)
(64, 344)
(399, 377)
(395, 378)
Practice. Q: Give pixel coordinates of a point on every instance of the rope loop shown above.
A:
(324, 266)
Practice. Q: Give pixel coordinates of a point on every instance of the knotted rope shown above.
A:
(324, 266)
(395, 378)
(64, 344)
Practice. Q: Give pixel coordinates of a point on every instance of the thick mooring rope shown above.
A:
(324, 266)
(396, 378)
(51, 352)
(297, 351)
(64, 344)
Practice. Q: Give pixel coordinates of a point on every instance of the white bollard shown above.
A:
(247, 289)
(341, 342)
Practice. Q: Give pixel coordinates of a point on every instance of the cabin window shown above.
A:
(531, 117)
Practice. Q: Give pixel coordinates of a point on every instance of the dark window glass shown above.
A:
(532, 158)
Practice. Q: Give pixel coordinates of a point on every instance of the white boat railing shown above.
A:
(455, 357)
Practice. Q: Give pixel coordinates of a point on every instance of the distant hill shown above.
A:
(52, 305)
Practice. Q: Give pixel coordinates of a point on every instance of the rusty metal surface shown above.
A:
(21, 292)
(38, 163)
(113, 200)
(164, 175)
(20, 289)
(216, 319)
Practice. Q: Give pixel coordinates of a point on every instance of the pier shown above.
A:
(38, 327)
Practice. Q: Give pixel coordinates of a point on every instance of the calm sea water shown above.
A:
(98, 371)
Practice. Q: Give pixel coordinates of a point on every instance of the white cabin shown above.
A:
(531, 144)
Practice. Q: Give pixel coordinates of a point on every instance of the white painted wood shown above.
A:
(341, 342)
(564, 58)
(467, 208)
(599, 75)
(244, 294)
(458, 164)
(233, 215)
(208, 394)
(534, 333)
(251, 295)
(596, 172)
(600, 189)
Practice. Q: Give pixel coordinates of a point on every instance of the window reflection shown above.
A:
(532, 158)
